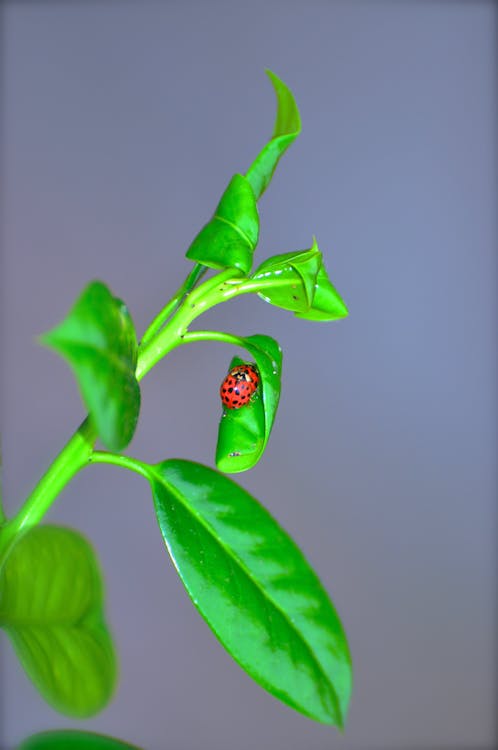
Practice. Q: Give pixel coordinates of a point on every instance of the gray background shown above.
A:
(122, 124)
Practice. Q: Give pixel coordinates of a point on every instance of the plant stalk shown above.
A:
(161, 337)
(70, 460)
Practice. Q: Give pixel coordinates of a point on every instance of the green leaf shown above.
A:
(243, 433)
(299, 282)
(67, 739)
(254, 588)
(327, 302)
(287, 128)
(289, 280)
(98, 340)
(229, 239)
(51, 607)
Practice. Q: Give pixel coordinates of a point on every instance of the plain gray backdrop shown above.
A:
(122, 123)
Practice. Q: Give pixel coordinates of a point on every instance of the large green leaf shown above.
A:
(287, 128)
(67, 739)
(98, 340)
(229, 239)
(254, 588)
(243, 433)
(51, 607)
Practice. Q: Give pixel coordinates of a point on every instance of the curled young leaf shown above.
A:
(299, 282)
(229, 239)
(327, 302)
(289, 280)
(243, 433)
(98, 340)
(254, 588)
(287, 128)
(51, 607)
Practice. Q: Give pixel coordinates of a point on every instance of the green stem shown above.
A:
(189, 303)
(220, 288)
(226, 338)
(70, 460)
(126, 462)
(195, 274)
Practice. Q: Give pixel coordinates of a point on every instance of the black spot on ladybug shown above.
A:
(229, 390)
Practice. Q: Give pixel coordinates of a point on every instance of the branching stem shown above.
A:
(167, 331)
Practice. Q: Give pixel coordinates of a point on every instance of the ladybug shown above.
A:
(239, 385)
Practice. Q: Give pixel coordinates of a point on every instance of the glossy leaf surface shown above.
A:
(98, 340)
(327, 302)
(289, 280)
(254, 588)
(51, 607)
(287, 128)
(229, 239)
(243, 433)
(67, 739)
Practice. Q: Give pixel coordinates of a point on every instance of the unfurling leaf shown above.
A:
(299, 282)
(289, 280)
(243, 433)
(254, 588)
(98, 340)
(229, 239)
(287, 128)
(51, 607)
(327, 302)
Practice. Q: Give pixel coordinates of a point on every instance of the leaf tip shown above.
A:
(48, 338)
(343, 310)
(273, 76)
(287, 101)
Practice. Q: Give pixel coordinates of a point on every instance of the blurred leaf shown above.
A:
(254, 588)
(327, 302)
(98, 340)
(243, 433)
(51, 607)
(67, 739)
(287, 128)
(289, 280)
(229, 239)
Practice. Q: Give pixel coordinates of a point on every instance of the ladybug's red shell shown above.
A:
(238, 386)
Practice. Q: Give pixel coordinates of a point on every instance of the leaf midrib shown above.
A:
(198, 517)
(104, 353)
(239, 231)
